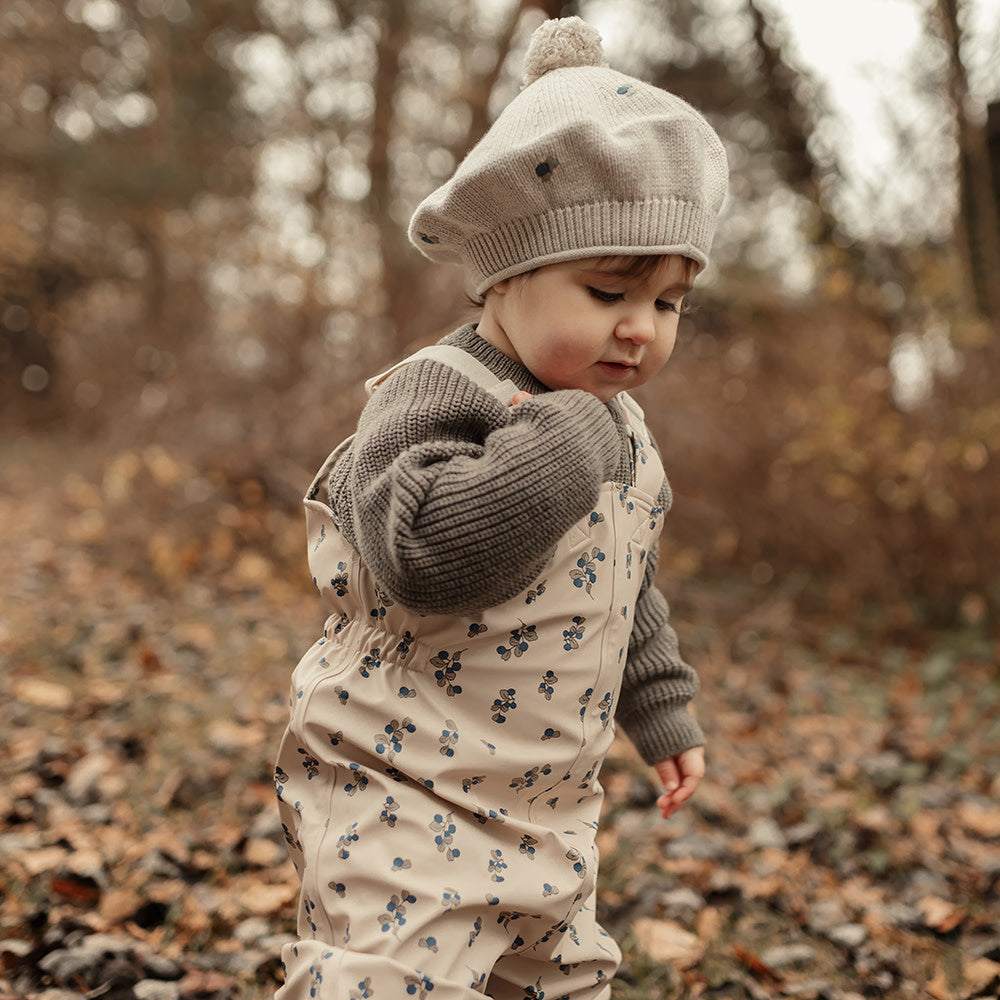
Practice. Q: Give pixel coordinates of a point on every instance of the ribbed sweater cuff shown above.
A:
(661, 733)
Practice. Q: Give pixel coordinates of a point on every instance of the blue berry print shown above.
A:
(503, 705)
(497, 865)
(395, 911)
(547, 686)
(448, 739)
(339, 582)
(359, 779)
(372, 660)
(528, 779)
(444, 827)
(348, 837)
(605, 706)
(573, 634)
(390, 741)
(310, 763)
(383, 601)
(518, 641)
(447, 667)
(280, 780)
(544, 169)
(418, 986)
(364, 990)
(585, 575)
(390, 812)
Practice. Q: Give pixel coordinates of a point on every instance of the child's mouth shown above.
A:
(616, 368)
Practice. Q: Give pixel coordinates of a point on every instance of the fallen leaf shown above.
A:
(43, 694)
(199, 983)
(982, 820)
(939, 914)
(980, 974)
(755, 966)
(938, 986)
(264, 899)
(76, 888)
(667, 941)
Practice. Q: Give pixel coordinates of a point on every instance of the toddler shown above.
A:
(486, 544)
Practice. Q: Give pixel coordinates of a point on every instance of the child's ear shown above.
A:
(500, 287)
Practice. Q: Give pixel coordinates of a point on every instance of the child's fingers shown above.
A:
(519, 397)
(680, 776)
(671, 801)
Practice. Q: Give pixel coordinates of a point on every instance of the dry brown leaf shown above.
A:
(264, 853)
(118, 905)
(755, 966)
(205, 983)
(667, 941)
(982, 820)
(262, 900)
(938, 986)
(940, 914)
(708, 923)
(43, 694)
(45, 859)
(978, 974)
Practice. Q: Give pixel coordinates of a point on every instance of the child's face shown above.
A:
(584, 324)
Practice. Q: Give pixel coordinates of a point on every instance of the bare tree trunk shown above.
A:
(978, 228)
(789, 120)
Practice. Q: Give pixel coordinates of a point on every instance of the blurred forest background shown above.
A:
(202, 254)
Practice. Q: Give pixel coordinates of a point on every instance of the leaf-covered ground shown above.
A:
(845, 844)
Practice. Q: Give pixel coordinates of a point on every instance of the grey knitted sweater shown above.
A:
(455, 502)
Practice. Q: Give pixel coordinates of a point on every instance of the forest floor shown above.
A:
(846, 842)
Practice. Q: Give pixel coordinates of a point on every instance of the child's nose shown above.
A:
(638, 325)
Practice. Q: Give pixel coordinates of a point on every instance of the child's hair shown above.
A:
(584, 162)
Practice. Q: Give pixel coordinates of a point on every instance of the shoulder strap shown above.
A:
(631, 407)
(462, 361)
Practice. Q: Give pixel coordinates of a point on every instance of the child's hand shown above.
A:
(519, 397)
(680, 775)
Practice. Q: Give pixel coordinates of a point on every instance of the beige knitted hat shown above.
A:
(584, 162)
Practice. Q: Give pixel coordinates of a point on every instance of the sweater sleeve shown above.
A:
(658, 684)
(455, 501)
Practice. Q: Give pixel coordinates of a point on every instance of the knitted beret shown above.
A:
(584, 162)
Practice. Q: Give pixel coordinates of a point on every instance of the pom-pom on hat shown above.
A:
(584, 162)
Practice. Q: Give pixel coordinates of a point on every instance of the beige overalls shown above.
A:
(438, 780)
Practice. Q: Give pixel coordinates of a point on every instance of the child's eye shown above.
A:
(677, 307)
(603, 296)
